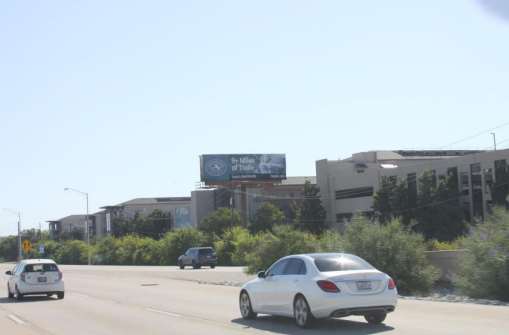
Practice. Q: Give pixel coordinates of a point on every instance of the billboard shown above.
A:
(248, 167)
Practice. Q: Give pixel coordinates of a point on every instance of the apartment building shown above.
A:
(347, 186)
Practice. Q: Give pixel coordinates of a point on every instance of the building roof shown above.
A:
(150, 201)
(70, 217)
(299, 180)
(397, 155)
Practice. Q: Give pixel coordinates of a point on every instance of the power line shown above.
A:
(475, 135)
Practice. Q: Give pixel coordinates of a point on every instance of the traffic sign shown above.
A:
(27, 246)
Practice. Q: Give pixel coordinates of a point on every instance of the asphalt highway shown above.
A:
(165, 300)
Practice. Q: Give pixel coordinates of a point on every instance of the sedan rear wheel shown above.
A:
(375, 318)
(302, 312)
(246, 310)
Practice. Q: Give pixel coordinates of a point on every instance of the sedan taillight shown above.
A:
(391, 285)
(328, 286)
(60, 275)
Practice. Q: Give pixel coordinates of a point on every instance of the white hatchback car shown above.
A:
(314, 286)
(35, 277)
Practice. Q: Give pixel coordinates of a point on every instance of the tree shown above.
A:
(266, 217)
(393, 201)
(436, 212)
(9, 248)
(219, 221)
(155, 225)
(310, 215)
(439, 214)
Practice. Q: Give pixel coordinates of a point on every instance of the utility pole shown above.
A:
(494, 141)
(87, 228)
(18, 214)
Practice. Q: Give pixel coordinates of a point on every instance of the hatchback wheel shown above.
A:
(18, 295)
(375, 318)
(302, 312)
(9, 294)
(181, 265)
(246, 310)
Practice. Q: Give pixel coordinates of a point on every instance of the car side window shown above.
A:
(278, 268)
(295, 266)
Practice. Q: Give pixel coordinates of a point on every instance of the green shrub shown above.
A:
(393, 250)
(136, 250)
(176, 242)
(331, 241)
(235, 244)
(484, 271)
(281, 242)
(72, 252)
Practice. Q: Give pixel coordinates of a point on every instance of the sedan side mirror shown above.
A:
(261, 274)
(9, 273)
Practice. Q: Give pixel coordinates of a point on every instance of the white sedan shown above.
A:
(315, 286)
(35, 277)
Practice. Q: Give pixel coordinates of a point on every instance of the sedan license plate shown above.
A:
(363, 285)
(42, 279)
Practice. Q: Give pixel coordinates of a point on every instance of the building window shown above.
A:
(358, 192)
(452, 173)
(477, 193)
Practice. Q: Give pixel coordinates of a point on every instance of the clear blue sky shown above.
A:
(119, 98)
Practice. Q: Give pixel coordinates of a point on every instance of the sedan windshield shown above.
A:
(329, 263)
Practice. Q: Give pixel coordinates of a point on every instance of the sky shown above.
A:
(119, 98)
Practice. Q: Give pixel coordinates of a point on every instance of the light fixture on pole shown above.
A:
(18, 214)
(494, 141)
(87, 229)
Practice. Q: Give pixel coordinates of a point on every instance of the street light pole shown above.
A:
(494, 141)
(87, 229)
(18, 214)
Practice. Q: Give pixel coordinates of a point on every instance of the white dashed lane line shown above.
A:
(14, 318)
(163, 312)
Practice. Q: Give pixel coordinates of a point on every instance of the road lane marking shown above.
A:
(163, 312)
(80, 295)
(16, 319)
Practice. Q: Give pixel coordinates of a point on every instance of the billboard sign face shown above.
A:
(249, 167)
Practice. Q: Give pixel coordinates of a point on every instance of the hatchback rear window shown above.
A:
(41, 268)
(329, 263)
(206, 251)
